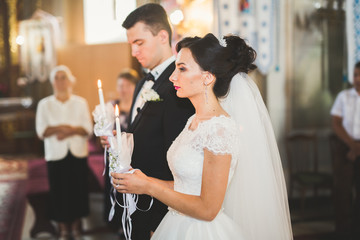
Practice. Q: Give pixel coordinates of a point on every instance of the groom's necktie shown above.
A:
(149, 77)
(139, 101)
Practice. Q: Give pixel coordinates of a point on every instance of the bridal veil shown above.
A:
(256, 198)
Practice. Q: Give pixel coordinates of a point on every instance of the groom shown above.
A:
(154, 124)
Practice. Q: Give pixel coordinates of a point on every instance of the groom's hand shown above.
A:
(105, 141)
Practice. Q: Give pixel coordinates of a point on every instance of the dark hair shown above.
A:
(153, 15)
(357, 65)
(223, 62)
(129, 74)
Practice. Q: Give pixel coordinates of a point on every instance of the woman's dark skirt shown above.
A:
(69, 195)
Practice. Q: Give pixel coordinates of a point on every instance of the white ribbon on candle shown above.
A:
(119, 157)
(120, 163)
(104, 124)
(129, 206)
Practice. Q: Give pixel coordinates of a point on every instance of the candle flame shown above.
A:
(116, 110)
(99, 83)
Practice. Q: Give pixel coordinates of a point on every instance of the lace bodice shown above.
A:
(186, 155)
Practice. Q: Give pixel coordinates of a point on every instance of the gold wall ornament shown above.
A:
(5, 47)
(8, 128)
(13, 25)
(2, 49)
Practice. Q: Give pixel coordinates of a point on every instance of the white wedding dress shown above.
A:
(255, 205)
(219, 135)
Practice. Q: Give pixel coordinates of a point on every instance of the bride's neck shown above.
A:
(207, 110)
(206, 107)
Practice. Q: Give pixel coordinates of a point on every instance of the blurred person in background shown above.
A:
(63, 121)
(346, 166)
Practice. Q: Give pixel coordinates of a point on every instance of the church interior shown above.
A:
(303, 61)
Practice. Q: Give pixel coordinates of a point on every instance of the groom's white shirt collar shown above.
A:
(158, 70)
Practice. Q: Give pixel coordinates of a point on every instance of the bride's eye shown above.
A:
(181, 69)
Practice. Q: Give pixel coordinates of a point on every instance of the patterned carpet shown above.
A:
(12, 168)
(13, 174)
(25, 179)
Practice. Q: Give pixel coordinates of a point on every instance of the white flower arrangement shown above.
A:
(114, 164)
(104, 124)
(150, 95)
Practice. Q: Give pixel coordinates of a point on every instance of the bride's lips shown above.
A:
(177, 88)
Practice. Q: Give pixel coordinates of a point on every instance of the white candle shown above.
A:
(118, 128)
(101, 97)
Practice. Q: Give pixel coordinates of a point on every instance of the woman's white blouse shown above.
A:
(52, 112)
(347, 106)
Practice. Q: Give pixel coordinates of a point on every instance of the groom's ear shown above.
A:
(209, 78)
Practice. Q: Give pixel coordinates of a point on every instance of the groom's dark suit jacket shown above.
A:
(154, 129)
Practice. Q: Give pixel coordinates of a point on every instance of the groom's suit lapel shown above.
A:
(158, 86)
(136, 92)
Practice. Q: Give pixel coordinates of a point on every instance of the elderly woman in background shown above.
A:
(63, 122)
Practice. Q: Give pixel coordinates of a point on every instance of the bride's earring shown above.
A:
(206, 93)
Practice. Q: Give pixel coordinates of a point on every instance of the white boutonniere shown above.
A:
(150, 95)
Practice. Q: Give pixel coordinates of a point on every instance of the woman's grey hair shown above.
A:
(61, 68)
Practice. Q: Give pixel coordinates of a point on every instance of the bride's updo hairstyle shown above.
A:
(223, 60)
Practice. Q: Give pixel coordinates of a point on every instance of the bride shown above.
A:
(228, 179)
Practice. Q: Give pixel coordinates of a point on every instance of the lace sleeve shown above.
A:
(219, 136)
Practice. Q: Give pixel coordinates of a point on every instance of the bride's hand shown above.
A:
(136, 182)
